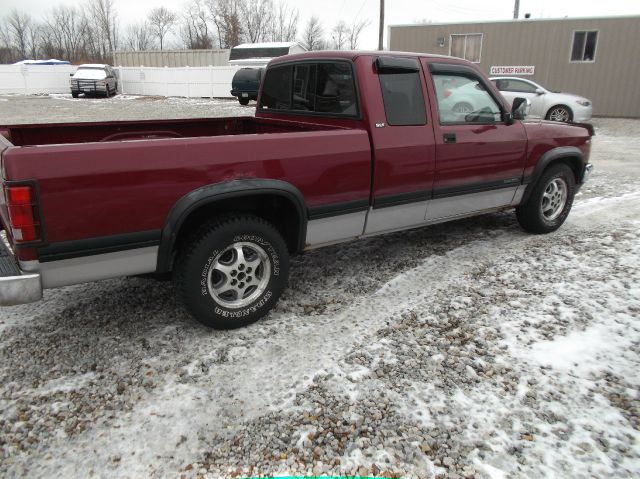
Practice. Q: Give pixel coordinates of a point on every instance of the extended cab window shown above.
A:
(317, 88)
(463, 99)
(403, 100)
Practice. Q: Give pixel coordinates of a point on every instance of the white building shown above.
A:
(259, 54)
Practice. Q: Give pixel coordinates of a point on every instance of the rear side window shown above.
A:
(325, 88)
(403, 99)
(276, 92)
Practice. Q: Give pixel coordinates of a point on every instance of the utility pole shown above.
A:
(516, 10)
(381, 32)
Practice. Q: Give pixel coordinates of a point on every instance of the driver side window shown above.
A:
(463, 99)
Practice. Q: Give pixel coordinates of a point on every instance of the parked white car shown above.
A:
(459, 97)
(547, 104)
(94, 79)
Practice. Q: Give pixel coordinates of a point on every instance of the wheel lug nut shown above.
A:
(248, 279)
(241, 267)
(234, 272)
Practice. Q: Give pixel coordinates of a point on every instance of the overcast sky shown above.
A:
(397, 11)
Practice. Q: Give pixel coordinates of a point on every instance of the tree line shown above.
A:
(92, 31)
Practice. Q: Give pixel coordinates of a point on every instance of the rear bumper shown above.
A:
(16, 287)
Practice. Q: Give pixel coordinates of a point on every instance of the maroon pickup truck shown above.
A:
(344, 145)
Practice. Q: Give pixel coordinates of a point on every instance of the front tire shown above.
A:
(560, 113)
(243, 101)
(232, 271)
(550, 202)
(462, 107)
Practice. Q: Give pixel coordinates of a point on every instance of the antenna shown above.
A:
(516, 10)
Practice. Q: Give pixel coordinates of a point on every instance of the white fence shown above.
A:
(212, 82)
(200, 82)
(32, 79)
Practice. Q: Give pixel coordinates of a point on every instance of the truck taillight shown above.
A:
(23, 213)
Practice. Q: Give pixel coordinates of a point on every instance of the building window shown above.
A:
(584, 46)
(467, 46)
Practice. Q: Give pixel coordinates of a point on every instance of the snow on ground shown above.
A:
(469, 349)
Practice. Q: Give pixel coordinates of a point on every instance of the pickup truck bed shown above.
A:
(59, 133)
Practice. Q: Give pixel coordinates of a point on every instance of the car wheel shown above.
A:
(550, 201)
(232, 271)
(462, 107)
(75, 94)
(559, 113)
(243, 101)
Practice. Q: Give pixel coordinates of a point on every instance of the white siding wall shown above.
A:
(184, 81)
(32, 79)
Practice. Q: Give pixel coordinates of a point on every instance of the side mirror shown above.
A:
(519, 108)
(539, 91)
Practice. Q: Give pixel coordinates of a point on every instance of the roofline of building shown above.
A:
(512, 20)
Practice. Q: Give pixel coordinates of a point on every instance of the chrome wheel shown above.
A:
(239, 275)
(554, 199)
(559, 114)
(462, 108)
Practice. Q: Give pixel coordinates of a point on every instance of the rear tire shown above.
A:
(75, 94)
(550, 201)
(232, 271)
(243, 101)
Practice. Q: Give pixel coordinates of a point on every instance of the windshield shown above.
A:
(90, 74)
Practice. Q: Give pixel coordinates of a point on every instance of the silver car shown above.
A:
(94, 79)
(547, 104)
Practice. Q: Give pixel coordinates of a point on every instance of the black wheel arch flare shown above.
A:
(209, 194)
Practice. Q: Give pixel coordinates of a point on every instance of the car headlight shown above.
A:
(583, 102)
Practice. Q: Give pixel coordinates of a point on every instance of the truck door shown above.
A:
(479, 156)
(403, 144)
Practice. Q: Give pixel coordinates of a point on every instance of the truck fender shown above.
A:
(222, 191)
(571, 153)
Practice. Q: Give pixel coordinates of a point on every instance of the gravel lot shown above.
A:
(469, 349)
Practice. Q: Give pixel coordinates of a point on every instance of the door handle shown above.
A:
(449, 137)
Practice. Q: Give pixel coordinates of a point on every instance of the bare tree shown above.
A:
(19, 28)
(226, 16)
(284, 24)
(34, 40)
(340, 35)
(256, 16)
(195, 26)
(355, 31)
(5, 43)
(105, 21)
(161, 21)
(139, 37)
(63, 33)
(313, 35)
